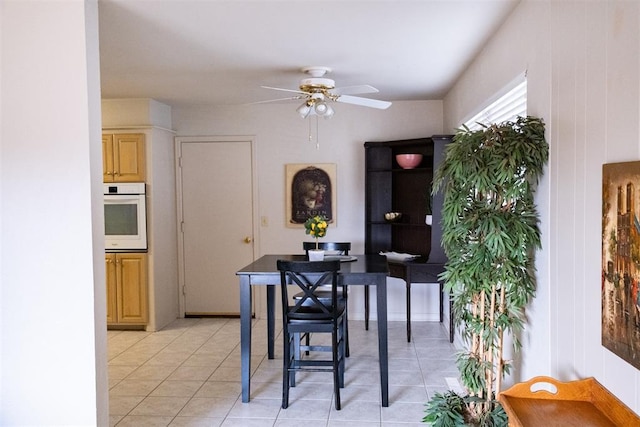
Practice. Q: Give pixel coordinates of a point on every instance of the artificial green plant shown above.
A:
(490, 233)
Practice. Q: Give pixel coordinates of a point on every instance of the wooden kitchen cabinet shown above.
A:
(126, 289)
(123, 157)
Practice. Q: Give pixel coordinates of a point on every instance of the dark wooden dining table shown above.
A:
(369, 270)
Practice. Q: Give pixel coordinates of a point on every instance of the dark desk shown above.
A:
(421, 271)
(366, 270)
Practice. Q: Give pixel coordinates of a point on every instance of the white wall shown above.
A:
(282, 137)
(163, 236)
(583, 63)
(53, 365)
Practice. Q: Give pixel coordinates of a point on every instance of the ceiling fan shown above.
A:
(316, 90)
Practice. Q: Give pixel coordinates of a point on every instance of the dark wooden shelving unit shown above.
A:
(390, 188)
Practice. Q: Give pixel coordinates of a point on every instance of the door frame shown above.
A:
(179, 140)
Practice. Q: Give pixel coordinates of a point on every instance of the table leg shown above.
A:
(452, 331)
(441, 301)
(245, 336)
(271, 320)
(366, 307)
(408, 311)
(407, 278)
(383, 349)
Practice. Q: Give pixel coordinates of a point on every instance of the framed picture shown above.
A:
(621, 260)
(310, 191)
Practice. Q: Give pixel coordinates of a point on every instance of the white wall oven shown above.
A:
(125, 216)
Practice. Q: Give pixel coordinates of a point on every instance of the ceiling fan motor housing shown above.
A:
(316, 84)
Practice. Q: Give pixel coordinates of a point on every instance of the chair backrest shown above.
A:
(342, 247)
(307, 276)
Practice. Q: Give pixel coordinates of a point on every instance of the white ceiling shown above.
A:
(215, 52)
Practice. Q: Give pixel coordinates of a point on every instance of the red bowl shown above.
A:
(408, 161)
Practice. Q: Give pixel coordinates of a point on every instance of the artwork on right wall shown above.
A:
(621, 260)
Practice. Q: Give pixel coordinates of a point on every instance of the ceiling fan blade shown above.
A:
(354, 90)
(284, 90)
(365, 102)
(291, 98)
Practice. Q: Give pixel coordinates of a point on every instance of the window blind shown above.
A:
(507, 107)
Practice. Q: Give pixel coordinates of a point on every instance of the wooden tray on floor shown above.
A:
(582, 403)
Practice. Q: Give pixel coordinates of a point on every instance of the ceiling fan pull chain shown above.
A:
(317, 135)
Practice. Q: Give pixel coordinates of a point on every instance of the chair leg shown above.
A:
(346, 335)
(346, 321)
(366, 307)
(341, 360)
(286, 364)
(294, 355)
(296, 346)
(336, 368)
(307, 341)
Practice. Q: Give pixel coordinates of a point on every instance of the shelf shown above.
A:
(390, 188)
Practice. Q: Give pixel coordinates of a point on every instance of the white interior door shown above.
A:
(217, 229)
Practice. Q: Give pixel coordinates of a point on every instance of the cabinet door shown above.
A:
(110, 268)
(129, 157)
(132, 288)
(107, 158)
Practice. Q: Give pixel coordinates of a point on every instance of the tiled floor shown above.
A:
(189, 375)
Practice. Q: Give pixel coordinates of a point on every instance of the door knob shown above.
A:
(247, 239)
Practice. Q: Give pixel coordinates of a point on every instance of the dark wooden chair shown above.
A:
(342, 248)
(337, 248)
(310, 314)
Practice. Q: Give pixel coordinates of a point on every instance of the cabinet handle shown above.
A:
(116, 173)
(109, 173)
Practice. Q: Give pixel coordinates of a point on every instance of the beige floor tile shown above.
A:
(416, 394)
(309, 391)
(258, 408)
(134, 387)
(204, 360)
(147, 372)
(266, 390)
(130, 358)
(356, 411)
(115, 419)
(167, 358)
(302, 409)
(196, 422)
(188, 374)
(363, 393)
(120, 372)
(144, 421)
(337, 423)
(296, 423)
(406, 378)
(207, 407)
(191, 373)
(403, 412)
(177, 388)
(161, 406)
(248, 422)
(122, 405)
(225, 374)
(221, 389)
